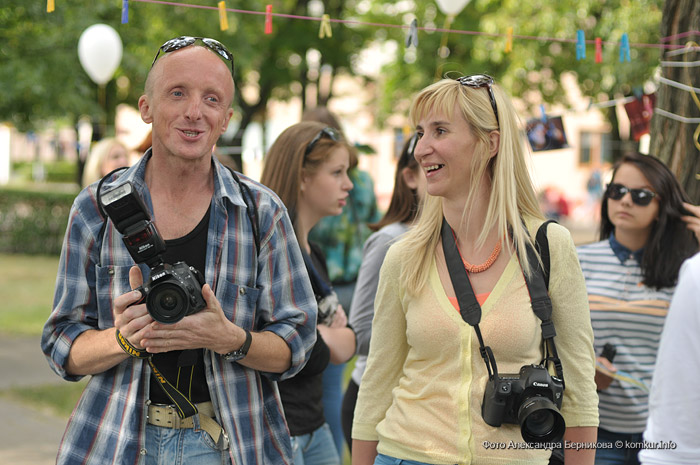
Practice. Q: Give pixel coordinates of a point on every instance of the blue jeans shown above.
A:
(386, 460)
(315, 448)
(333, 402)
(170, 446)
(617, 455)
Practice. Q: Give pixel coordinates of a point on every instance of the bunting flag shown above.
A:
(325, 28)
(223, 18)
(509, 39)
(268, 19)
(125, 11)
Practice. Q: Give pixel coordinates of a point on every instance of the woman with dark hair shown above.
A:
(409, 190)
(307, 166)
(630, 276)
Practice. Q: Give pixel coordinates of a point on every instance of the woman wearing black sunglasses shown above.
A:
(307, 166)
(630, 275)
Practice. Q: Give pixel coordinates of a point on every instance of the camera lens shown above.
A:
(167, 303)
(540, 420)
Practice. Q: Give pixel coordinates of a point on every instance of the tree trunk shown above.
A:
(672, 140)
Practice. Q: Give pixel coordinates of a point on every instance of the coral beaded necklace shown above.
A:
(484, 266)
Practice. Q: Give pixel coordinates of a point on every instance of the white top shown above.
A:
(675, 396)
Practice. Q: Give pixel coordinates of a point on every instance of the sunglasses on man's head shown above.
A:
(328, 132)
(641, 197)
(477, 81)
(185, 41)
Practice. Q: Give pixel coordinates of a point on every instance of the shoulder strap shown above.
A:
(252, 208)
(542, 245)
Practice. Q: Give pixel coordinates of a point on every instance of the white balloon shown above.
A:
(100, 52)
(451, 7)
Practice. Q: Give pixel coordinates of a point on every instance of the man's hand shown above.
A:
(132, 320)
(208, 328)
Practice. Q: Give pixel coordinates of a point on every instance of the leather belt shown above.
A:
(167, 417)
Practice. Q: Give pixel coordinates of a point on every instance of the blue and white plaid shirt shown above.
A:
(108, 424)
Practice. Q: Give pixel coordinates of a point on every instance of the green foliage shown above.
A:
(58, 171)
(33, 222)
(533, 65)
(43, 79)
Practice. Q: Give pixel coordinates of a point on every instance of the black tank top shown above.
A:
(184, 369)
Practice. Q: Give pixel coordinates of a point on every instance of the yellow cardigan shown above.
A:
(423, 387)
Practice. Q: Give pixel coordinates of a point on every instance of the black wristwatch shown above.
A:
(242, 352)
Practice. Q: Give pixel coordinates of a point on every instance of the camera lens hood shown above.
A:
(540, 421)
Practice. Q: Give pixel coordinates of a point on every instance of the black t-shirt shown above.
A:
(302, 394)
(184, 369)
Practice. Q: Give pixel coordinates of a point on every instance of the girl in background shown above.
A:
(307, 166)
(105, 156)
(631, 275)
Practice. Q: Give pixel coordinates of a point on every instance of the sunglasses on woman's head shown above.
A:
(477, 81)
(185, 41)
(641, 197)
(329, 132)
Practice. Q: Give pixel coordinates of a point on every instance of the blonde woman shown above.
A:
(422, 392)
(106, 155)
(307, 166)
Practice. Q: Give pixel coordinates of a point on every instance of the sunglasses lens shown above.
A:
(642, 197)
(616, 191)
(177, 44)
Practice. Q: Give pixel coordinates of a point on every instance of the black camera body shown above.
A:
(172, 291)
(531, 399)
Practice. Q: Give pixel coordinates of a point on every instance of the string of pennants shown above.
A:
(325, 29)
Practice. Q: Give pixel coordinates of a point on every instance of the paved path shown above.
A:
(28, 436)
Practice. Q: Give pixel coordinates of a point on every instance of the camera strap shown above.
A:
(183, 406)
(537, 284)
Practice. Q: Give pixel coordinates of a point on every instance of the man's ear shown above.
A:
(229, 114)
(145, 109)
(494, 143)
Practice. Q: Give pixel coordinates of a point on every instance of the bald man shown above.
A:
(201, 390)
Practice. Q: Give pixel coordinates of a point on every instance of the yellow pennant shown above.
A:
(50, 6)
(325, 29)
(223, 19)
(509, 39)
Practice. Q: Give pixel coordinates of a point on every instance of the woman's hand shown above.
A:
(693, 221)
(602, 380)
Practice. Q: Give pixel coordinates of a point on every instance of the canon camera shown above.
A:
(531, 399)
(172, 291)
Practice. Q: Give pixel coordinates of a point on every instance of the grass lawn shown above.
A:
(26, 286)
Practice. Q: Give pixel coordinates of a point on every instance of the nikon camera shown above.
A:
(172, 291)
(531, 399)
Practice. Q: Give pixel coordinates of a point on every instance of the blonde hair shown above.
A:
(512, 195)
(100, 151)
(287, 161)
